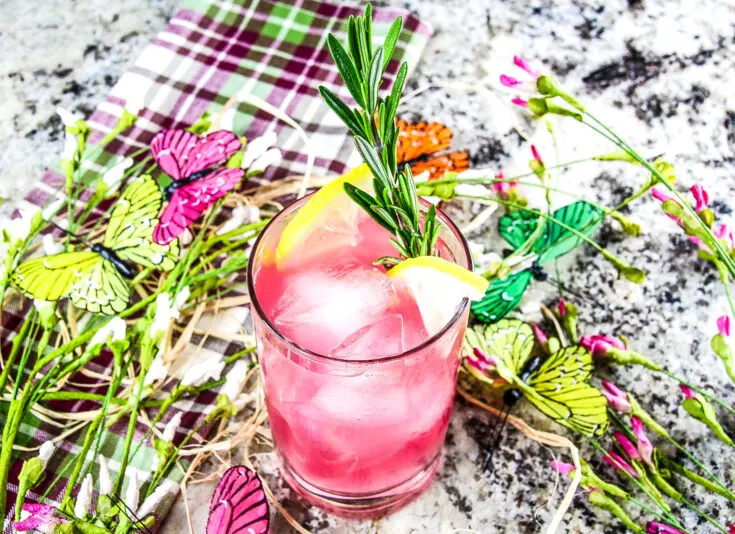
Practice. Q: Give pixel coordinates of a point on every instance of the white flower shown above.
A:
(240, 215)
(113, 176)
(70, 147)
(134, 103)
(199, 373)
(114, 330)
(157, 371)
(166, 312)
(67, 117)
(51, 247)
(84, 499)
(42, 305)
(132, 493)
(45, 452)
(106, 486)
(272, 157)
(257, 148)
(235, 380)
(150, 504)
(186, 238)
(169, 431)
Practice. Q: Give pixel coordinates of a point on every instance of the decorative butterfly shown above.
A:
(503, 296)
(420, 143)
(557, 385)
(199, 180)
(239, 504)
(95, 279)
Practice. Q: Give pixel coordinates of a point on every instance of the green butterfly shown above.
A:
(94, 280)
(503, 296)
(558, 386)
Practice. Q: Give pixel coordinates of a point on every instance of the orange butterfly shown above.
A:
(420, 144)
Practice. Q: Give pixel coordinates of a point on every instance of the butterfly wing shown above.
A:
(239, 504)
(132, 221)
(517, 226)
(438, 166)
(558, 239)
(52, 277)
(560, 389)
(509, 341)
(191, 200)
(501, 297)
(101, 290)
(181, 153)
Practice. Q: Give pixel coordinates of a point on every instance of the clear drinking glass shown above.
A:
(361, 436)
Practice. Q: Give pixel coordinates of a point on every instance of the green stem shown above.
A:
(699, 390)
(697, 479)
(82, 455)
(703, 515)
(17, 342)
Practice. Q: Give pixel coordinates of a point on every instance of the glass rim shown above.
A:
(292, 345)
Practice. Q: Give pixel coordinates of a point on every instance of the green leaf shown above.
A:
(385, 217)
(341, 109)
(347, 69)
(371, 157)
(368, 16)
(352, 42)
(559, 240)
(400, 248)
(374, 80)
(395, 94)
(390, 41)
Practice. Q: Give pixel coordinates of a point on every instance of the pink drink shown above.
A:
(359, 394)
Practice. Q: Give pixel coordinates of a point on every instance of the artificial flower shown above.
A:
(653, 527)
(166, 311)
(84, 498)
(619, 463)
(503, 187)
(723, 325)
(539, 334)
(663, 197)
(106, 486)
(645, 447)
(113, 331)
(598, 345)
(527, 85)
(561, 467)
(723, 231)
(235, 379)
(270, 158)
(132, 493)
(199, 373)
(169, 431)
(702, 410)
(630, 450)
(257, 148)
(46, 312)
(617, 398)
(40, 517)
(157, 371)
(154, 499)
(701, 198)
(45, 451)
(687, 391)
(562, 307)
(67, 117)
(239, 216)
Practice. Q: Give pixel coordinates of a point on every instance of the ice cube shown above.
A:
(384, 337)
(322, 306)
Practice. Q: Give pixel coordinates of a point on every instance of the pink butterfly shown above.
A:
(239, 505)
(192, 162)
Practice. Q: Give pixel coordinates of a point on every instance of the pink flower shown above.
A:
(520, 102)
(562, 308)
(661, 528)
(724, 232)
(526, 84)
(617, 398)
(561, 467)
(627, 446)
(37, 517)
(540, 336)
(523, 64)
(619, 463)
(502, 188)
(731, 528)
(481, 361)
(723, 325)
(598, 344)
(645, 447)
(663, 197)
(701, 198)
(536, 154)
(687, 391)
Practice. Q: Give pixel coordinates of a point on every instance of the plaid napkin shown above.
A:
(206, 54)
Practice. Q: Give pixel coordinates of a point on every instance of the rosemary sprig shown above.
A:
(395, 204)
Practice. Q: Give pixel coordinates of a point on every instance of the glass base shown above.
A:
(362, 506)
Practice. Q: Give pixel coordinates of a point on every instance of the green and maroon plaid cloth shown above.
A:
(207, 53)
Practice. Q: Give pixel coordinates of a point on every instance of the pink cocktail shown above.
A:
(359, 393)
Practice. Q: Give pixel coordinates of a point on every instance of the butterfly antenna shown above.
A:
(559, 285)
(135, 520)
(487, 462)
(67, 232)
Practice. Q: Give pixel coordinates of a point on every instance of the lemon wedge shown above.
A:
(326, 222)
(438, 287)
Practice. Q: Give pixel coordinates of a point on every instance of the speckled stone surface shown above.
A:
(661, 72)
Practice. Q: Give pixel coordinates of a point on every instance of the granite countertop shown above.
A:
(662, 72)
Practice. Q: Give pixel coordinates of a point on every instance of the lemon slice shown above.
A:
(438, 287)
(326, 222)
